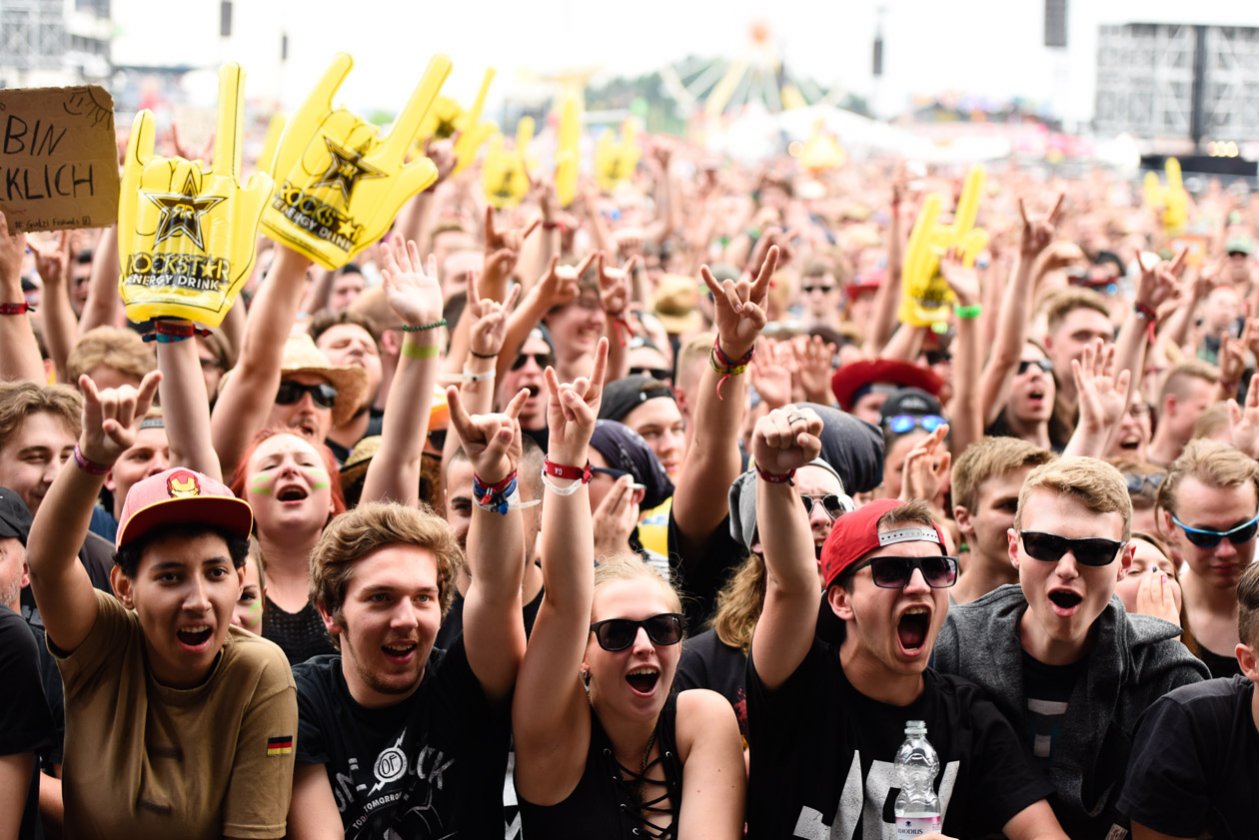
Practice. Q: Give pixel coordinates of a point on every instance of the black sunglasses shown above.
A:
(290, 392)
(1045, 365)
(1091, 551)
(808, 290)
(1207, 538)
(659, 374)
(1137, 482)
(831, 503)
(895, 572)
(614, 474)
(542, 360)
(614, 634)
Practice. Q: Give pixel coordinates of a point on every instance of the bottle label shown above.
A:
(916, 826)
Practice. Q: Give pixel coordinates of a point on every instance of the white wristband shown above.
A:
(470, 376)
(561, 490)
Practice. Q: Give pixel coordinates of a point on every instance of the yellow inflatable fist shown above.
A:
(339, 184)
(1170, 200)
(186, 231)
(568, 153)
(925, 296)
(615, 162)
(504, 173)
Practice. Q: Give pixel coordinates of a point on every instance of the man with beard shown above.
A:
(825, 720)
(1062, 660)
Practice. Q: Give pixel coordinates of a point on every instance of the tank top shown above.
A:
(603, 804)
(301, 635)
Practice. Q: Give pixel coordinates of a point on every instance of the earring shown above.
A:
(585, 679)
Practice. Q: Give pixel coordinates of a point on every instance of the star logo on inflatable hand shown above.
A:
(345, 169)
(182, 212)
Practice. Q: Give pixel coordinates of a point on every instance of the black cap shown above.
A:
(624, 395)
(15, 518)
(912, 401)
(624, 449)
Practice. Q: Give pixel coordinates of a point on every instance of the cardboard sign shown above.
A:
(58, 158)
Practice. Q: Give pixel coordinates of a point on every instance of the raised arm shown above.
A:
(552, 737)
(965, 416)
(185, 405)
(1103, 395)
(247, 397)
(614, 295)
(493, 628)
(59, 582)
(558, 286)
(61, 328)
(713, 462)
(416, 298)
(1155, 286)
(784, 440)
(19, 352)
(888, 294)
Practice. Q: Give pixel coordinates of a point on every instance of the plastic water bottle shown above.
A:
(917, 806)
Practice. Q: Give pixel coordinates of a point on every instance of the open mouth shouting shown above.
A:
(291, 493)
(642, 681)
(1130, 442)
(194, 638)
(912, 629)
(1066, 602)
(400, 652)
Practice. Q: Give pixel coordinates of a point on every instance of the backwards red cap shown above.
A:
(856, 534)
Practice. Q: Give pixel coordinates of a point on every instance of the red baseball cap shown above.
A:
(856, 534)
(181, 496)
(850, 382)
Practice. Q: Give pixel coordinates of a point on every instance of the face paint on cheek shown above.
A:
(263, 485)
(318, 477)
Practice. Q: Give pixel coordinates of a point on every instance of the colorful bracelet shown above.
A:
(776, 478)
(968, 313)
(412, 328)
(420, 351)
(572, 473)
(167, 331)
(1147, 314)
(495, 497)
(16, 308)
(87, 464)
(726, 366)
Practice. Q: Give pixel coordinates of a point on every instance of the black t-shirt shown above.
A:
(431, 766)
(700, 574)
(1048, 690)
(708, 662)
(301, 635)
(822, 753)
(54, 693)
(452, 624)
(1219, 666)
(1194, 767)
(25, 723)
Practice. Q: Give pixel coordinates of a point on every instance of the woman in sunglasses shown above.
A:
(612, 751)
(1022, 404)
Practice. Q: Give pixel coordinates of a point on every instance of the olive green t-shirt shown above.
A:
(146, 760)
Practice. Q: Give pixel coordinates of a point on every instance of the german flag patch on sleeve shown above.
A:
(282, 745)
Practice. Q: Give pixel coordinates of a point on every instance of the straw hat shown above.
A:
(676, 304)
(302, 356)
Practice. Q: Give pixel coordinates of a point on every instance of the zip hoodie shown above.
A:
(1135, 659)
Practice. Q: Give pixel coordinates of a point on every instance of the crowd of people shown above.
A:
(646, 516)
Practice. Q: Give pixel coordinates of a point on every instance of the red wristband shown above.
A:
(497, 487)
(555, 470)
(87, 464)
(776, 478)
(16, 308)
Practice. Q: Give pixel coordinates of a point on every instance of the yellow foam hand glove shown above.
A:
(925, 295)
(568, 151)
(339, 183)
(505, 172)
(1169, 200)
(473, 132)
(615, 161)
(186, 230)
(822, 150)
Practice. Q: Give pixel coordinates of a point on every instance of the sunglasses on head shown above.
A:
(1207, 538)
(901, 423)
(542, 360)
(831, 503)
(1045, 365)
(895, 572)
(1137, 483)
(290, 392)
(1091, 551)
(614, 634)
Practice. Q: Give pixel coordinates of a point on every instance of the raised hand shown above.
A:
(927, 467)
(1155, 596)
(786, 439)
(614, 286)
(741, 306)
(962, 279)
(815, 362)
(489, 329)
(1233, 354)
(112, 417)
(1244, 422)
(339, 183)
(571, 410)
(187, 231)
(1038, 231)
(616, 517)
(1158, 283)
(413, 292)
(502, 249)
(562, 283)
(491, 441)
(1103, 394)
(770, 373)
(52, 259)
(12, 252)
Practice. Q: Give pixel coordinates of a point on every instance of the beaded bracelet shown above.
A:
(411, 328)
(727, 366)
(494, 497)
(87, 464)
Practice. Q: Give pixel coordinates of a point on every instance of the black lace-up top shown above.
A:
(606, 802)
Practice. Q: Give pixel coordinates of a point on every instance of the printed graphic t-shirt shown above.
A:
(822, 755)
(431, 766)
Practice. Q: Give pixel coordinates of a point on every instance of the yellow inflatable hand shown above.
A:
(186, 231)
(472, 131)
(615, 162)
(822, 150)
(505, 173)
(339, 184)
(568, 152)
(925, 295)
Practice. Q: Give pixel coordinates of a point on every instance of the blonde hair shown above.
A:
(1213, 463)
(992, 457)
(1176, 379)
(1058, 305)
(739, 604)
(1211, 422)
(111, 347)
(1095, 484)
(353, 535)
(627, 566)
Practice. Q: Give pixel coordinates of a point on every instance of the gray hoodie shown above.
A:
(1135, 660)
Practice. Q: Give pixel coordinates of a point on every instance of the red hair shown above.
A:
(330, 464)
